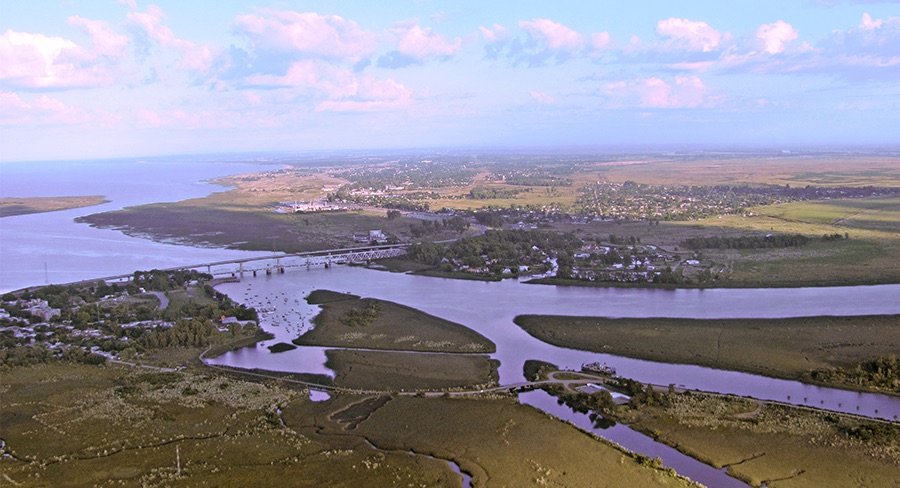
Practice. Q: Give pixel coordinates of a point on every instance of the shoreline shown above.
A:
(15, 206)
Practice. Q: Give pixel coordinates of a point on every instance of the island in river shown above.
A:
(10, 206)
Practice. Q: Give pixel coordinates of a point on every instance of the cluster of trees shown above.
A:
(486, 192)
(428, 227)
(637, 201)
(408, 203)
(411, 175)
(40, 354)
(537, 173)
(835, 237)
(746, 242)
(881, 374)
(360, 317)
(623, 240)
(193, 320)
(158, 280)
(497, 250)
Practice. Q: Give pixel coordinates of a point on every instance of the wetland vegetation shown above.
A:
(10, 206)
(845, 352)
(759, 442)
(351, 321)
(75, 409)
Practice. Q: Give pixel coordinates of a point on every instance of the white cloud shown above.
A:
(327, 36)
(193, 56)
(336, 89)
(421, 44)
(869, 24)
(11, 103)
(599, 40)
(556, 36)
(38, 61)
(541, 97)
(106, 42)
(371, 94)
(776, 35)
(494, 34)
(695, 35)
(655, 92)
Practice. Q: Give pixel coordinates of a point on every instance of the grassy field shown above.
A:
(392, 326)
(78, 425)
(10, 206)
(492, 439)
(784, 348)
(781, 446)
(383, 370)
(845, 170)
(73, 425)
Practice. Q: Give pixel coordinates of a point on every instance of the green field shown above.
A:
(74, 425)
(387, 371)
(781, 446)
(10, 206)
(392, 327)
(783, 348)
(78, 425)
(492, 439)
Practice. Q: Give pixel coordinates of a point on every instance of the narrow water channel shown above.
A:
(634, 441)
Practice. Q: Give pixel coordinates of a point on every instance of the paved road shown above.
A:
(163, 299)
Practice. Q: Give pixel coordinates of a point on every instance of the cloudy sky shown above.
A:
(105, 78)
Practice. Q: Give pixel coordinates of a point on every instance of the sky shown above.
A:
(118, 78)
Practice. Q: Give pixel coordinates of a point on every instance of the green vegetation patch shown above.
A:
(282, 347)
(75, 425)
(10, 206)
(785, 348)
(536, 370)
(318, 297)
(494, 441)
(379, 370)
(379, 324)
(782, 446)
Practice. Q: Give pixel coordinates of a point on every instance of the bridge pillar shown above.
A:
(241, 269)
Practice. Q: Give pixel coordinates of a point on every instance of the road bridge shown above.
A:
(278, 263)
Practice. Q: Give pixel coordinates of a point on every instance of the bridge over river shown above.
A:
(278, 263)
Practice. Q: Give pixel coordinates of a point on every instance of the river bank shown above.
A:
(28, 205)
(795, 348)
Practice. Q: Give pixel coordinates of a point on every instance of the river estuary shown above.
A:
(50, 247)
(489, 308)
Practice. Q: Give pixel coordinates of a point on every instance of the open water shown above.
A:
(44, 248)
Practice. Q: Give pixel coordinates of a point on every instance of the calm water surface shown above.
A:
(635, 441)
(50, 247)
(490, 308)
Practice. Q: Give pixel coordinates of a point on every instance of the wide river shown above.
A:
(44, 248)
(489, 308)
